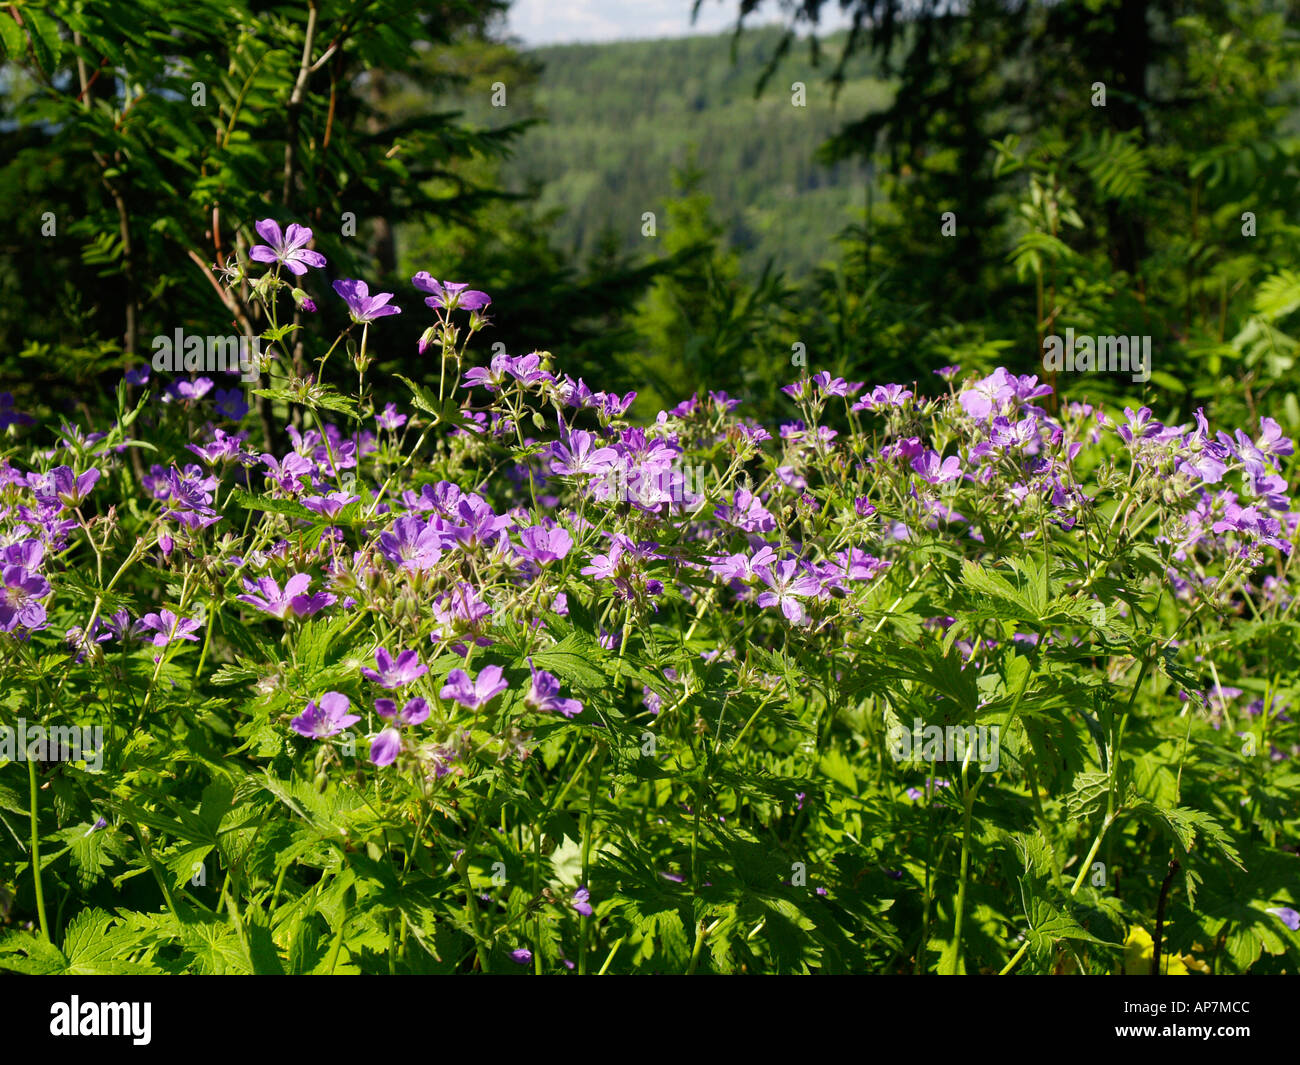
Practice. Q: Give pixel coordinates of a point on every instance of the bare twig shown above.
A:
(295, 101)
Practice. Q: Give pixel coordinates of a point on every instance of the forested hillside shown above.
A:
(619, 117)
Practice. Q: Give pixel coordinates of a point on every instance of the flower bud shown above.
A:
(263, 287)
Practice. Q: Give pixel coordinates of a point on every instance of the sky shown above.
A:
(538, 22)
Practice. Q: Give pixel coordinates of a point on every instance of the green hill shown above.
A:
(619, 117)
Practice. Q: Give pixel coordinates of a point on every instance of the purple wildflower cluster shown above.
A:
(797, 526)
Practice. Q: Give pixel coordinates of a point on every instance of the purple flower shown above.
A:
(651, 699)
(522, 956)
(916, 794)
(288, 248)
(746, 512)
(167, 627)
(476, 693)
(787, 589)
(384, 747)
(413, 713)
(492, 377)
(329, 504)
(25, 553)
(986, 397)
(230, 403)
(138, 376)
(287, 475)
(395, 674)
(118, 626)
(582, 902)
(412, 544)
(265, 594)
(836, 386)
(20, 599)
(9, 416)
(544, 545)
(1271, 441)
(482, 524)
(1251, 523)
(191, 390)
(624, 561)
(1287, 916)
(610, 404)
(223, 447)
(362, 306)
(934, 470)
(579, 454)
(390, 419)
(68, 488)
(544, 694)
(883, 396)
(450, 294)
(328, 719)
(1139, 425)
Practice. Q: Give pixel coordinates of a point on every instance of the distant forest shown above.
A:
(619, 118)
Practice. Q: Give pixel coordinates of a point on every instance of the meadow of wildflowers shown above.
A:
(501, 680)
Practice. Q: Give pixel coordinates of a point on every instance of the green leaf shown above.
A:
(287, 507)
(1088, 795)
(95, 946)
(1185, 825)
(1047, 925)
(836, 766)
(421, 397)
(572, 660)
(25, 952)
(46, 45)
(995, 596)
(13, 45)
(92, 851)
(566, 862)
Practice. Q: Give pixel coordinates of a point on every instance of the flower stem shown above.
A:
(36, 852)
(586, 861)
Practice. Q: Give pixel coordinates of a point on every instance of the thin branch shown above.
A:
(295, 101)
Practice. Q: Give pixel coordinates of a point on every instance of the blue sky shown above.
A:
(539, 22)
